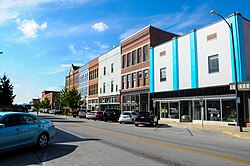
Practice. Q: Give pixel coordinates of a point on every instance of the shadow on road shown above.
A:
(63, 144)
(59, 119)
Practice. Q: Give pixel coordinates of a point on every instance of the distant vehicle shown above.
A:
(53, 111)
(18, 130)
(82, 114)
(90, 115)
(111, 114)
(98, 115)
(58, 112)
(13, 108)
(146, 118)
(45, 110)
(127, 117)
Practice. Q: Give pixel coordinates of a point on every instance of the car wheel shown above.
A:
(136, 125)
(94, 119)
(120, 122)
(105, 120)
(156, 123)
(42, 141)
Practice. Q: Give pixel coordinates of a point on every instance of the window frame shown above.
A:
(211, 68)
(162, 79)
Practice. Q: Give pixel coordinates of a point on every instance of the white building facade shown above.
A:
(193, 72)
(109, 80)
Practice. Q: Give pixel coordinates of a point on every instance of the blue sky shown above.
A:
(42, 38)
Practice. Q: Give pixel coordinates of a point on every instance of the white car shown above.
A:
(90, 115)
(53, 111)
(127, 117)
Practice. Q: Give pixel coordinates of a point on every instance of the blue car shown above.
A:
(18, 130)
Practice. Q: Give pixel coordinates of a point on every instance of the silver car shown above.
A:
(19, 130)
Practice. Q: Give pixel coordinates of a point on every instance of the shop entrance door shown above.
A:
(186, 111)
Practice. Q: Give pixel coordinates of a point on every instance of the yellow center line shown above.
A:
(165, 144)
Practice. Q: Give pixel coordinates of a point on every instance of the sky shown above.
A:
(40, 39)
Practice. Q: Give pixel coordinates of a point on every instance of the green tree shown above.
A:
(6, 91)
(73, 99)
(46, 103)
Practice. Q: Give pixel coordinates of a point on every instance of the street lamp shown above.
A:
(238, 127)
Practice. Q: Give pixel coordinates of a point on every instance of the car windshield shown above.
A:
(143, 114)
(125, 113)
(133, 113)
(99, 112)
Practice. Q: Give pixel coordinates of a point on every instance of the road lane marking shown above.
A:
(164, 144)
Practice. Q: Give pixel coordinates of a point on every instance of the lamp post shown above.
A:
(238, 126)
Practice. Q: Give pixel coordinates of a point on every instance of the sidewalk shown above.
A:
(230, 130)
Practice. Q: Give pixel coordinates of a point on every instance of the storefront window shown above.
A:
(213, 110)
(174, 110)
(164, 110)
(197, 110)
(229, 110)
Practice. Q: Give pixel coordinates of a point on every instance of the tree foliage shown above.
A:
(6, 91)
(69, 98)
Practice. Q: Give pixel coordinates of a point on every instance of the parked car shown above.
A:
(82, 114)
(127, 117)
(75, 113)
(146, 118)
(58, 112)
(111, 114)
(98, 115)
(18, 130)
(53, 111)
(45, 110)
(90, 115)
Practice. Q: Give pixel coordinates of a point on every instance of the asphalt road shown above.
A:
(87, 142)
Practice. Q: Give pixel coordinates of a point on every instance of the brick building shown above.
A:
(73, 78)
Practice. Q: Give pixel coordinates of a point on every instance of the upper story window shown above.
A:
(128, 80)
(112, 86)
(139, 78)
(128, 59)
(123, 61)
(145, 53)
(163, 74)
(123, 82)
(104, 70)
(212, 36)
(213, 63)
(133, 80)
(133, 57)
(139, 54)
(112, 68)
(146, 80)
(104, 87)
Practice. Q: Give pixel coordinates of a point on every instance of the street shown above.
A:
(88, 142)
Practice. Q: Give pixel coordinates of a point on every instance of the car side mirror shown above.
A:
(2, 126)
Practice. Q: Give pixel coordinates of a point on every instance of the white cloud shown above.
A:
(100, 26)
(101, 45)
(30, 27)
(44, 26)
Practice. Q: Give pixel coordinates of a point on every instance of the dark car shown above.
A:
(111, 114)
(98, 115)
(146, 118)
